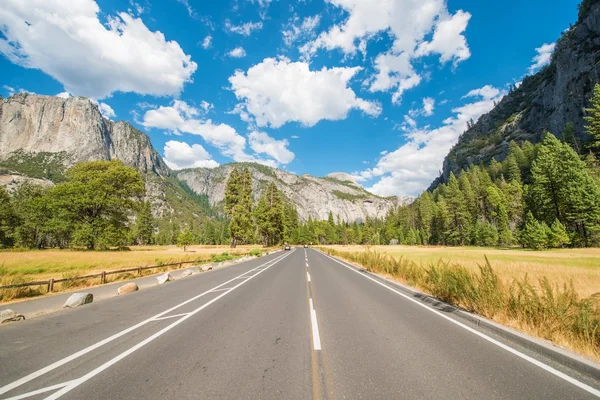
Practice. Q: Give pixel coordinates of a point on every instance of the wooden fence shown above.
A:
(102, 275)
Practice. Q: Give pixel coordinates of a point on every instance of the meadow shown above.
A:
(35, 265)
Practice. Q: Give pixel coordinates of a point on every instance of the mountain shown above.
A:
(544, 102)
(41, 136)
(313, 197)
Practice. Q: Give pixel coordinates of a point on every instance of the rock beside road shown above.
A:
(78, 299)
(128, 288)
(164, 278)
(187, 273)
(9, 315)
(207, 267)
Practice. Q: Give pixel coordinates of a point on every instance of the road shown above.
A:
(292, 325)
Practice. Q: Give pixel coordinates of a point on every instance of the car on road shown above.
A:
(287, 247)
(305, 246)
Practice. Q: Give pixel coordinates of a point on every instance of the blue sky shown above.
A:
(380, 90)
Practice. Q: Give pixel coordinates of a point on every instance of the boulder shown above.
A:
(9, 315)
(187, 273)
(164, 278)
(207, 267)
(128, 288)
(78, 299)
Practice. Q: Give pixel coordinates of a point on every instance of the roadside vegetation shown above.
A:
(20, 266)
(538, 307)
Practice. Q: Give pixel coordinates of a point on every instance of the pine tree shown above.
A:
(592, 119)
(7, 220)
(185, 239)
(269, 216)
(238, 205)
(144, 225)
(533, 234)
(512, 172)
(558, 236)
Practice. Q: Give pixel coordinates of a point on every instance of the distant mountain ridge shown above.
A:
(41, 136)
(546, 101)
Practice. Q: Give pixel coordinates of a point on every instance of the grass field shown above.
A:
(27, 266)
(582, 266)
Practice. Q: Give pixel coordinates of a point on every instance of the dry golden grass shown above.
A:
(582, 266)
(39, 265)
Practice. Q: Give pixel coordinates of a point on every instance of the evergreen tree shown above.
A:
(144, 228)
(533, 234)
(7, 220)
(558, 236)
(592, 119)
(269, 216)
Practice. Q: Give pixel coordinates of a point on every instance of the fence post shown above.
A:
(140, 271)
(180, 264)
(50, 285)
(103, 278)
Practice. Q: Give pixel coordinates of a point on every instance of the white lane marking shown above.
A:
(39, 391)
(93, 347)
(220, 290)
(170, 316)
(315, 327)
(517, 353)
(307, 276)
(141, 344)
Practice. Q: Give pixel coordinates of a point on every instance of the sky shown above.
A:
(379, 89)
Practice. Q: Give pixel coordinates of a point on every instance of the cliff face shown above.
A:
(74, 127)
(313, 197)
(544, 102)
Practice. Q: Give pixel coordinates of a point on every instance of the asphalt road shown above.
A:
(293, 325)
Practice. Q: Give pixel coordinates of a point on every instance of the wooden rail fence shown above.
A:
(102, 275)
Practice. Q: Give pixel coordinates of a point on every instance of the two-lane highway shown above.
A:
(293, 325)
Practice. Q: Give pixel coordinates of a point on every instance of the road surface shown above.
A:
(292, 325)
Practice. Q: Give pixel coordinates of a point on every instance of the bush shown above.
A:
(255, 253)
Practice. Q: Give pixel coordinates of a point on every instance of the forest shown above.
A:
(544, 195)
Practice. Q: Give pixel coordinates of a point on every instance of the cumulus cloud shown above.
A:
(408, 22)
(180, 155)
(487, 92)
(64, 95)
(428, 106)
(238, 52)
(243, 29)
(278, 91)
(409, 169)
(106, 110)
(296, 30)
(206, 42)
(543, 57)
(180, 117)
(90, 57)
(262, 143)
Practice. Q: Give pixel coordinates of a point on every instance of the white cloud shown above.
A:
(180, 155)
(543, 57)
(428, 106)
(238, 52)
(181, 117)
(412, 167)
(487, 92)
(262, 143)
(64, 95)
(90, 57)
(296, 31)
(9, 89)
(206, 42)
(408, 22)
(106, 110)
(244, 29)
(295, 137)
(278, 91)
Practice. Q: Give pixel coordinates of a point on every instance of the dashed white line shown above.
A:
(307, 276)
(315, 327)
(59, 363)
(170, 316)
(517, 353)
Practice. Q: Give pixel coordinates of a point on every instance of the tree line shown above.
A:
(544, 195)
